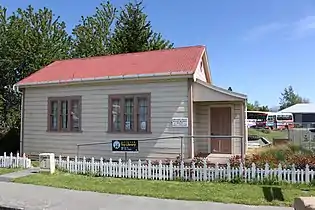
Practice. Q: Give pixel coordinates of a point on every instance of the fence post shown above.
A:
(60, 165)
(216, 171)
(307, 174)
(279, 171)
(110, 167)
(228, 171)
(160, 170)
(17, 160)
(240, 171)
(4, 160)
(11, 159)
(253, 172)
(182, 169)
(205, 170)
(171, 170)
(92, 166)
(139, 169)
(266, 171)
(119, 167)
(76, 164)
(293, 173)
(102, 166)
(149, 169)
(84, 165)
(193, 171)
(68, 163)
(25, 159)
(129, 168)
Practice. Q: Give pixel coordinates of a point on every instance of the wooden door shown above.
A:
(220, 125)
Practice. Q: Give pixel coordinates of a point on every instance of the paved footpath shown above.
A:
(10, 176)
(31, 197)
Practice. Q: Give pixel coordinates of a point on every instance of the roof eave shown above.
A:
(168, 75)
(219, 89)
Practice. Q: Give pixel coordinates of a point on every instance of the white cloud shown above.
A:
(303, 27)
(294, 30)
(264, 30)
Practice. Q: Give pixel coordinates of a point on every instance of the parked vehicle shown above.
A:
(280, 121)
(256, 119)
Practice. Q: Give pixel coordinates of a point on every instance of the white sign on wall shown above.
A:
(180, 122)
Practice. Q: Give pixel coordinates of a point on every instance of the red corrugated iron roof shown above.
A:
(179, 60)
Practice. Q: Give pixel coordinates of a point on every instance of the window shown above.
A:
(129, 113)
(284, 117)
(64, 114)
(271, 118)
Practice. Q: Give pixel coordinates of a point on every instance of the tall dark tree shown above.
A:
(29, 40)
(289, 98)
(92, 36)
(133, 32)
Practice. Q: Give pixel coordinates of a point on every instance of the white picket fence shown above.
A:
(12, 161)
(146, 170)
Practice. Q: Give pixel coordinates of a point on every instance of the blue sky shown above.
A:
(256, 47)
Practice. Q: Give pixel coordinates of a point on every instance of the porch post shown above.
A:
(190, 141)
(244, 127)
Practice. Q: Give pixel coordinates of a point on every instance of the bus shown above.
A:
(280, 120)
(256, 119)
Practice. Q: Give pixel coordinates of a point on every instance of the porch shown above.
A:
(218, 112)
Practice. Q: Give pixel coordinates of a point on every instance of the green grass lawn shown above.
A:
(8, 170)
(202, 191)
(270, 136)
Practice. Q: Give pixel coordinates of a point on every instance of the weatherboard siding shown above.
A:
(168, 99)
(201, 125)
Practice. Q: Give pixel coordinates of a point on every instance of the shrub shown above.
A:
(287, 156)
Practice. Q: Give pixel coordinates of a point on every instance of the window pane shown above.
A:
(54, 115)
(116, 126)
(129, 115)
(142, 114)
(64, 114)
(75, 115)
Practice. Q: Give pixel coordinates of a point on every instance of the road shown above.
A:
(31, 197)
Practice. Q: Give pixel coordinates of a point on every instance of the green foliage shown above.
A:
(92, 37)
(256, 107)
(287, 156)
(29, 40)
(133, 32)
(289, 98)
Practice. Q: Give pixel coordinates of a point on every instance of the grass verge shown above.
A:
(200, 191)
(8, 170)
(270, 136)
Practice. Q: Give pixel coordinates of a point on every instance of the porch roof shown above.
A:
(203, 91)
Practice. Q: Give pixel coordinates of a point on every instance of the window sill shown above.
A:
(132, 133)
(49, 131)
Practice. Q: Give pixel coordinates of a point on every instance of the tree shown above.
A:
(92, 36)
(230, 89)
(133, 32)
(289, 98)
(256, 107)
(29, 40)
